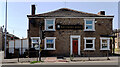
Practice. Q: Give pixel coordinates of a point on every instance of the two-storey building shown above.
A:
(66, 32)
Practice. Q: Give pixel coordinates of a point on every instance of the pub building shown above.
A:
(66, 32)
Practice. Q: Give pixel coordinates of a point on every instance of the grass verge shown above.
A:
(36, 62)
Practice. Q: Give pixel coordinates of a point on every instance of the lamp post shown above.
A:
(5, 29)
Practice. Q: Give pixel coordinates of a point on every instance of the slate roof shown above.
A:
(65, 12)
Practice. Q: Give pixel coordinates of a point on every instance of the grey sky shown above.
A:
(18, 11)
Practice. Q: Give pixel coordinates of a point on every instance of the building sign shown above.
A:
(75, 27)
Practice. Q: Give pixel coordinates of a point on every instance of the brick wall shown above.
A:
(102, 27)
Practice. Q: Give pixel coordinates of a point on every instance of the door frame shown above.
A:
(71, 46)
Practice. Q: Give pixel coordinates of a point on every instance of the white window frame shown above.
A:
(34, 42)
(93, 24)
(89, 38)
(108, 43)
(53, 25)
(45, 46)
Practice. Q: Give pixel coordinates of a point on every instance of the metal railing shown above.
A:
(91, 55)
(33, 55)
(22, 56)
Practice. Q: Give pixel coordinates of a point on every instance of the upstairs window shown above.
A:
(105, 42)
(49, 24)
(89, 25)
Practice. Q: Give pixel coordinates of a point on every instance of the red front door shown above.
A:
(75, 46)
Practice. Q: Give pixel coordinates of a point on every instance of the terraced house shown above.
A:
(66, 32)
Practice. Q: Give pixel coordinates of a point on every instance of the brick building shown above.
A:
(1, 37)
(9, 37)
(66, 32)
(117, 39)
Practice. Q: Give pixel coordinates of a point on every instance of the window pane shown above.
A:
(49, 41)
(88, 22)
(104, 45)
(36, 45)
(89, 45)
(49, 45)
(35, 40)
(49, 27)
(104, 41)
(88, 26)
(88, 41)
(49, 21)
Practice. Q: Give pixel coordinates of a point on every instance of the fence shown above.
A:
(92, 55)
(21, 44)
(33, 55)
(26, 56)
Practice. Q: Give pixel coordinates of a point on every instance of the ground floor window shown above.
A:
(49, 43)
(89, 43)
(105, 42)
(35, 42)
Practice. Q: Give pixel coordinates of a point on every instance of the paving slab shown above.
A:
(50, 59)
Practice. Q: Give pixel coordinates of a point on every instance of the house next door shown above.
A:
(75, 46)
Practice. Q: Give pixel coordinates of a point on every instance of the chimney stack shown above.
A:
(33, 9)
(101, 13)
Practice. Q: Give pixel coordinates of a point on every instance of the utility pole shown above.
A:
(13, 34)
(5, 29)
(65, 3)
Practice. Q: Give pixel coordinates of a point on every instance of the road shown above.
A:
(113, 62)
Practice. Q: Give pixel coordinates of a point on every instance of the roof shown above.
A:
(65, 12)
(10, 35)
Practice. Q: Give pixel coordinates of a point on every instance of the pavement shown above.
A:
(66, 61)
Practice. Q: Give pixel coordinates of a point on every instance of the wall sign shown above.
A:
(74, 27)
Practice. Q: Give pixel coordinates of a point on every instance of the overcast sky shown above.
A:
(18, 11)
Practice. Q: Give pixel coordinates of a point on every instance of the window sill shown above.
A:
(49, 30)
(89, 49)
(50, 49)
(90, 30)
(104, 49)
(35, 42)
(36, 48)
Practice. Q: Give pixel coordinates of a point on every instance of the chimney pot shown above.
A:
(33, 9)
(101, 13)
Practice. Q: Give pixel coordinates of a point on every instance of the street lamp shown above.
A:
(5, 29)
